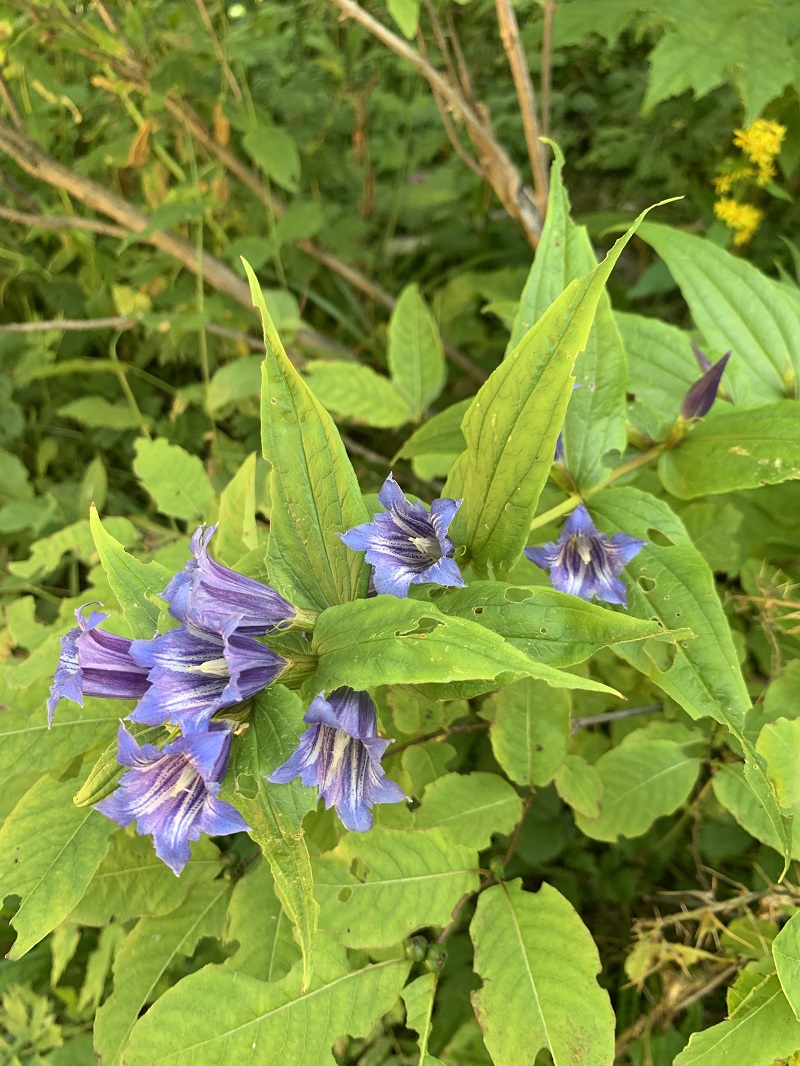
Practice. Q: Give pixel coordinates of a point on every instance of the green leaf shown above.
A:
(96, 411)
(237, 532)
(778, 743)
(132, 881)
(405, 880)
(275, 812)
(75, 539)
(551, 627)
(216, 1016)
(759, 1031)
(390, 641)
(354, 391)
(49, 850)
(538, 964)
(469, 808)
(512, 425)
(732, 450)
(786, 953)
(737, 307)
(234, 381)
(579, 784)
(152, 946)
(258, 922)
(642, 779)
(661, 365)
(595, 421)
(406, 14)
(416, 356)
(439, 435)
(136, 585)
(733, 792)
(314, 490)
(176, 480)
(418, 997)
(530, 729)
(276, 153)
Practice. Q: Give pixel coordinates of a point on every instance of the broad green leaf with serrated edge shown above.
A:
(237, 533)
(539, 965)
(551, 627)
(49, 850)
(275, 812)
(641, 781)
(132, 880)
(761, 1030)
(314, 490)
(352, 390)
(235, 381)
(258, 923)
(176, 480)
(661, 364)
(595, 421)
(134, 583)
(469, 808)
(386, 641)
(418, 998)
(530, 729)
(151, 947)
(47, 553)
(106, 772)
(216, 1016)
(579, 785)
(672, 582)
(786, 953)
(736, 307)
(512, 425)
(416, 357)
(407, 878)
(732, 450)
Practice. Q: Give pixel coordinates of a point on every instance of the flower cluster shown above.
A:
(744, 219)
(760, 145)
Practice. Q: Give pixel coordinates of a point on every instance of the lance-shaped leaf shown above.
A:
(550, 626)
(512, 425)
(418, 997)
(151, 947)
(404, 880)
(736, 307)
(732, 450)
(539, 965)
(416, 356)
(136, 585)
(389, 641)
(49, 850)
(595, 419)
(314, 491)
(237, 533)
(216, 1016)
(275, 812)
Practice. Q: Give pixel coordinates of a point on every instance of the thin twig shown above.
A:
(118, 322)
(223, 62)
(108, 21)
(614, 716)
(512, 844)
(449, 128)
(547, 64)
(463, 70)
(509, 34)
(56, 222)
(499, 170)
(441, 41)
(467, 727)
(11, 104)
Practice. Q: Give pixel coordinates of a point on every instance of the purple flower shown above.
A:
(171, 793)
(340, 754)
(700, 397)
(193, 674)
(586, 563)
(95, 663)
(408, 545)
(210, 596)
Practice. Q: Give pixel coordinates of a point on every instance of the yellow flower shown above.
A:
(723, 183)
(761, 143)
(743, 219)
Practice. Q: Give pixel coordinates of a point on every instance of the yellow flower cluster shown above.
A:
(723, 183)
(761, 143)
(743, 219)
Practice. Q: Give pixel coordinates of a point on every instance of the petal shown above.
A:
(391, 578)
(578, 522)
(359, 538)
(625, 548)
(218, 818)
(444, 572)
(545, 556)
(206, 751)
(302, 761)
(443, 511)
(391, 495)
(700, 398)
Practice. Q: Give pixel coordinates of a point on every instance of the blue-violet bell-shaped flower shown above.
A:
(340, 754)
(407, 545)
(700, 397)
(193, 674)
(585, 562)
(95, 663)
(171, 793)
(210, 596)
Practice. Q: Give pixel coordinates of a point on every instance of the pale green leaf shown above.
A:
(276, 153)
(539, 965)
(314, 490)
(258, 923)
(530, 729)
(439, 435)
(49, 850)
(176, 480)
(237, 532)
(354, 391)
(416, 355)
(76, 539)
(234, 381)
(580, 785)
(469, 808)
(406, 14)
(407, 878)
(103, 777)
(418, 997)
(97, 411)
